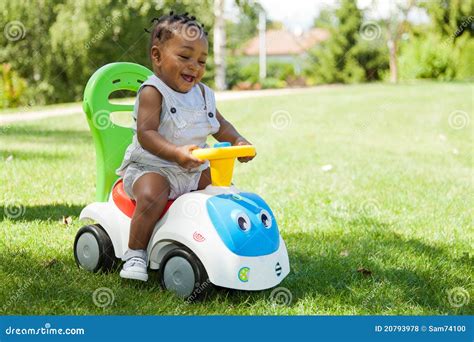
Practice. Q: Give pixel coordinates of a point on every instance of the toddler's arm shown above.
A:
(148, 121)
(227, 132)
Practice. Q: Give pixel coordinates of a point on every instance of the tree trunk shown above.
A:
(392, 48)
(219, 44)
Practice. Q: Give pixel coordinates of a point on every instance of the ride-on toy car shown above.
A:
(219, 235)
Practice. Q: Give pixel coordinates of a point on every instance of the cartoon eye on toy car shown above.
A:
(220, 235)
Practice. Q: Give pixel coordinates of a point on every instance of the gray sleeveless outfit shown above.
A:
(185, 119)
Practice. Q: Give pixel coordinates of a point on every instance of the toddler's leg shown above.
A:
(205, 179)
(151, 192)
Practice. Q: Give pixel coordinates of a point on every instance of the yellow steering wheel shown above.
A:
(222, 157)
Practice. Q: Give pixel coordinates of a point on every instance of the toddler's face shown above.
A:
(181, 62)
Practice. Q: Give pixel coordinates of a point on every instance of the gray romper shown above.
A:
(185, 119)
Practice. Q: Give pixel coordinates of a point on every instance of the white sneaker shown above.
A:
(135, 267)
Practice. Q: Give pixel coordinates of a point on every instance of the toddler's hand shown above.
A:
(242, 141)
(185, 159)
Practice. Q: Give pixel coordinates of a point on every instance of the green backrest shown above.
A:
(110, 139)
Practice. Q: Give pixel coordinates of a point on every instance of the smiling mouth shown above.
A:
(188, 78)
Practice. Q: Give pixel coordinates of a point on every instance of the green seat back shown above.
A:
(110, 139)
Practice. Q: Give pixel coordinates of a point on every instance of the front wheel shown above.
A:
(183, 273)
(93, 250)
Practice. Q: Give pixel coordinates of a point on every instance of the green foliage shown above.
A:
(233, 71)
(12, 87)
(463, 58)
(325, 18)
(420, 60)
(372, 57)
(240, 31)
(27, 47)
(271, 82)
(65, 41)
(278, 74)
(450, 18)
(429, 56)
(345, 57)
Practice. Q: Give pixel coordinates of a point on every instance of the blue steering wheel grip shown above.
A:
(222, 144)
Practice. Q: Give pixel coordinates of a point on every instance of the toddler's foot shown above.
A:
(135, 266)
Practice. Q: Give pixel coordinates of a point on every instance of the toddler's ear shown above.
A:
(156, 55)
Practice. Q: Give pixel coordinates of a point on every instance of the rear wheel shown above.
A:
(182, 272)
(93, 249)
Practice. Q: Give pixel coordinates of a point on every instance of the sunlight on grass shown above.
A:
(388, 230)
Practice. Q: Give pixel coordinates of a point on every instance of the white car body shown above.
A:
(187, 222)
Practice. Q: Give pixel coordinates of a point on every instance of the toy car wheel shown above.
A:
(183, 273)
(93, 250)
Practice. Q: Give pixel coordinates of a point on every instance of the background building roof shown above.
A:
(283, 42)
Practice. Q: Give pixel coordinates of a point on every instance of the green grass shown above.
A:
(398, 202)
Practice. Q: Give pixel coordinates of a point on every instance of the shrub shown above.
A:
(279, 74)
(12, 87)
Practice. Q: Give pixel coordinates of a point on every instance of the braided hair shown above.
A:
(164, 27)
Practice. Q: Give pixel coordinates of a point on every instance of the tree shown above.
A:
(219, 44)
(397, 24)
(62, 42)
(443, 48)
(239, 33)
(451, 18)
(334, 61)
(325, 18)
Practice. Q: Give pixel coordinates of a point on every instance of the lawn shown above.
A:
(387, 230)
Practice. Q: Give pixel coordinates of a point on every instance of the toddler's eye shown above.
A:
(266, 218)
(183, 57)
(202, 63)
